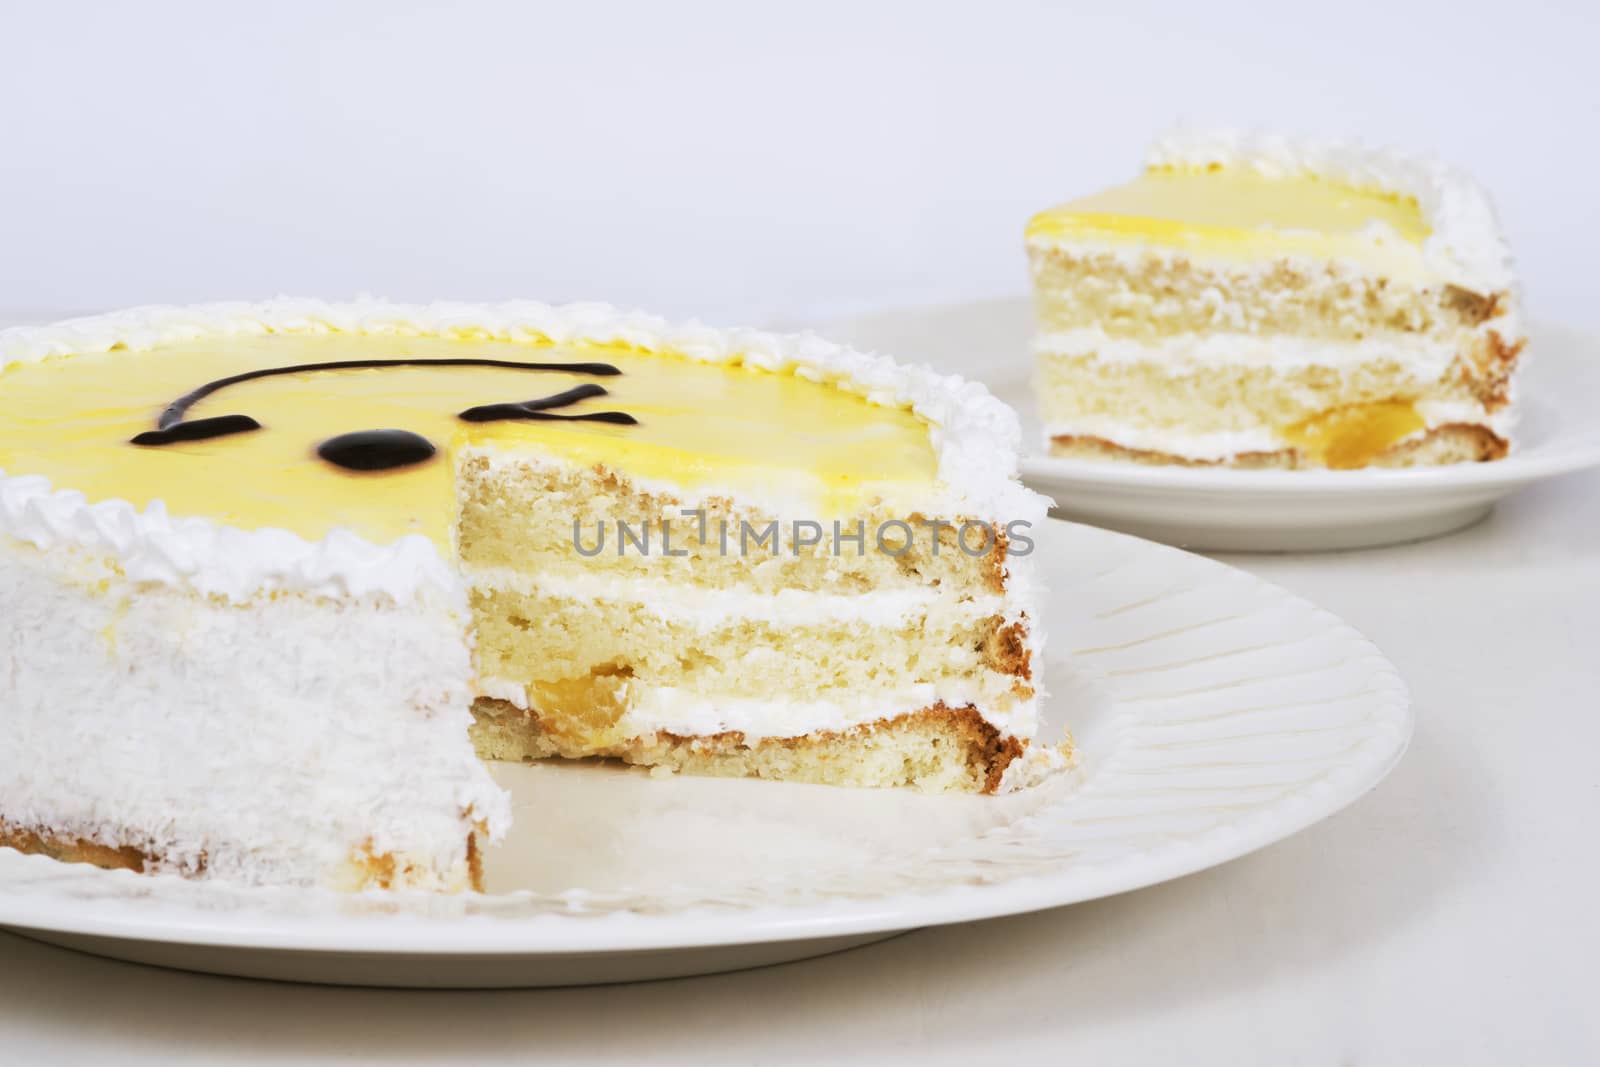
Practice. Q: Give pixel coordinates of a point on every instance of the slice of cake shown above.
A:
(274, 577)
(1267, 302)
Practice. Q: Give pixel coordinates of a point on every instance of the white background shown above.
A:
(736, 161)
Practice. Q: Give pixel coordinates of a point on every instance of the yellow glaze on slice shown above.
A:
(701, 427)
(1353, 436)
(1241, 214)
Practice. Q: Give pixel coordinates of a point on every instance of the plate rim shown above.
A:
(573, 933)
(1515, 470)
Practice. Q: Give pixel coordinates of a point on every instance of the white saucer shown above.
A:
(1214, 714)
(1242, 510)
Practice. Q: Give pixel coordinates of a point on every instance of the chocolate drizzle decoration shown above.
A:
(537, 409)
(198, 430)
(377, 450)
(370, 450)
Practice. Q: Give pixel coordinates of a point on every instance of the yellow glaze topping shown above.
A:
(1235, 213)
(701, 426)
(1353, 436)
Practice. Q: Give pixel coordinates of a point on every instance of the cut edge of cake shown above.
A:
(1149, 352)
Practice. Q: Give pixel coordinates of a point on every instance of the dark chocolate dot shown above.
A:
(376, 450)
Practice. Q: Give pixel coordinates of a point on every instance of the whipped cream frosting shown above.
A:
(216, 560)
(316, 730)
(690, 714)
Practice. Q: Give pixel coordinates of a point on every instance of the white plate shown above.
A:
(1244, 510)
(1214, 714)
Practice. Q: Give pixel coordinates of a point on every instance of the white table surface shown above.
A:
(1445, 918)
(1448, 917)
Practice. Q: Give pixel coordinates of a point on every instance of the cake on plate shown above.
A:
(275, 577)
(1259, 301)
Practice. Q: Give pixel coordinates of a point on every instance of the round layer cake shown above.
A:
(277, 576)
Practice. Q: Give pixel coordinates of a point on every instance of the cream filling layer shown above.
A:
(712, 607)
(1224, 445)
(690, 713)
